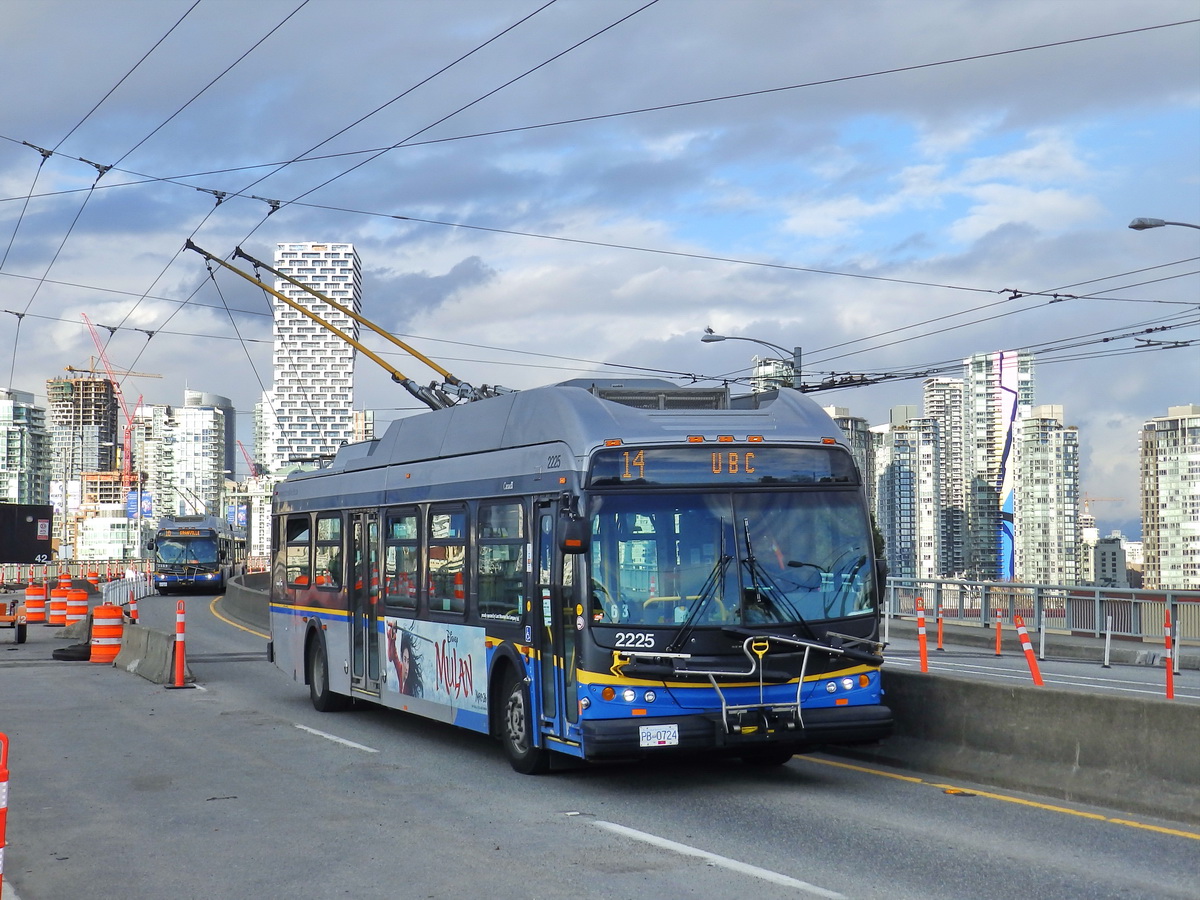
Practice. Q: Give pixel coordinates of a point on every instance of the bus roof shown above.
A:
(577, 414)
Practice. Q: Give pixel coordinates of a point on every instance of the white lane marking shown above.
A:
(724, 861)
(336, 739)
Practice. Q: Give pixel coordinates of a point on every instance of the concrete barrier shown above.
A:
(246, 600)
(151, 654)
(1132, 754)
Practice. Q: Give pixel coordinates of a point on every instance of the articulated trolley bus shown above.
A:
(605, 572)
(194, 552)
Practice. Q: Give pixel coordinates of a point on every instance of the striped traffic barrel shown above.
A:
(107, 628)
(58, 607)
(93, 579)
(77, 605)
(64, 581)
(35, 604)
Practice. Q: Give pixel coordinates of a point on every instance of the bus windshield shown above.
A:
(187, 551)
(721, 558)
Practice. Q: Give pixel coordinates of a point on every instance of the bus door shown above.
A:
(363, 589)
(556, 617)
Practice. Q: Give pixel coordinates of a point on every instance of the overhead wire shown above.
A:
(468, 105)
(101, 169)
(409, 143)
(817, 271)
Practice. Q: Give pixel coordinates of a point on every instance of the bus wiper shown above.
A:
(708, 590)
(759, 579)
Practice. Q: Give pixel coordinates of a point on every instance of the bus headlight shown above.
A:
(629, 695)
(649, 696)
(831, 687)
(847, 683)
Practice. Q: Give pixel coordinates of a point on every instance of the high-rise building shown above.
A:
(181, 453)
(1046, 499)
(200, 460)
(943, 402)
(83, 426)
(1170, 482)
(1109, 565)
(771, 374)
(997, 392)
(153, 440)
(1089, 537)
(84, 437)
(862, 445)
(24, 450)
(907, 490)
(309, 409)
(225, 406)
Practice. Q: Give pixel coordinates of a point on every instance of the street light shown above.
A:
(1141, 224)
(709, 337)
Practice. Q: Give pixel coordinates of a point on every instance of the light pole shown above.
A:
(1141, 224)
(791, 356)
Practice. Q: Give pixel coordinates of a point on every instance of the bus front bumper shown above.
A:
(623, 738)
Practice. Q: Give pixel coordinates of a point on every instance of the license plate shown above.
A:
(658, 735)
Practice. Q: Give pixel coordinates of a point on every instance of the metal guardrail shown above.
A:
(1077, 610)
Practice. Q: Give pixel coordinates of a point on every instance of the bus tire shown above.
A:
(323, 699)
(516, 730)
(768, 756)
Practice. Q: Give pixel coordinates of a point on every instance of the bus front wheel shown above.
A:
(516, 730)
(323, 699)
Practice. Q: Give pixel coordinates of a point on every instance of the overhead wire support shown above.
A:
(431, 395)
(462, 390)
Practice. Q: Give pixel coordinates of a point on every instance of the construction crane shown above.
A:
(1088, 501)
(250, 464)
(127, 443)
(124, 373)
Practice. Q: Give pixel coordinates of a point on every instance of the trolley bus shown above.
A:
(194, 553)
(605, 572)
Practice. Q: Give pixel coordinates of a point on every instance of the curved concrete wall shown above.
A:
(246, 600)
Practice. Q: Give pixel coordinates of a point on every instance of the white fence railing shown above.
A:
(1087, 611)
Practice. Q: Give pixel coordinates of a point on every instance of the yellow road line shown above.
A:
(1049, 807)
(212, 608)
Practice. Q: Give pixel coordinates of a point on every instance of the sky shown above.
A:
(578, 188)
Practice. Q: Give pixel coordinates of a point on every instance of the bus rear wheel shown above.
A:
(323, 699)
(516, 730)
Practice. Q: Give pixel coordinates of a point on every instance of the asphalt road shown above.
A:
(121, 789)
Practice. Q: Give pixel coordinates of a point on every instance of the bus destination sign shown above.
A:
(751, 464)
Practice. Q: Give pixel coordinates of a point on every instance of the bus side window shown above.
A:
(502, 553)
(327, 558)
(447, 554)
(400, 572)
(296, 553)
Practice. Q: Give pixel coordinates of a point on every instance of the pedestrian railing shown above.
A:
(1085, 611)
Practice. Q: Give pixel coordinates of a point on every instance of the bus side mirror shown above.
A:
(881, 578)
(576, 536)
(150, 546)
(221, 554)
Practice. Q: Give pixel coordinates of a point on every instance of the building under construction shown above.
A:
(83, 425)
(82, 422)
